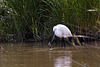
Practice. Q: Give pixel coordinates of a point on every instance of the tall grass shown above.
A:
(28, 16)
(37, 17)
(75, 13)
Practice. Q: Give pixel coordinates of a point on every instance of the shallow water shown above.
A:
(40, 55)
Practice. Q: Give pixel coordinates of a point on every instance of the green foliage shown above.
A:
(39, 16)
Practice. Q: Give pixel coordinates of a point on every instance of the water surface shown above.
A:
(40, 55)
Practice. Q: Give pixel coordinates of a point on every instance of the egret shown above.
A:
(62, 32)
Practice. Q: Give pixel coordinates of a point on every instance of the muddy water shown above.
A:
(39, 55)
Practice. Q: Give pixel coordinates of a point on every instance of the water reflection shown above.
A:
(31, 55)
(64, 61)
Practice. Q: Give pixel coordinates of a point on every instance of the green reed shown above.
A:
(39, 16)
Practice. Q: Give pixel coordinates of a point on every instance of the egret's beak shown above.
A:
(49, 44)
(53, 36)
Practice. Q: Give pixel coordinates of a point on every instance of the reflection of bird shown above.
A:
(64, 61)
(62, 32)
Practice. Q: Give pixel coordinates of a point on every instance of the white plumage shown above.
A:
(62, 31)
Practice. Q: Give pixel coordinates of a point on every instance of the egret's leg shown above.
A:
(61, 42)
(82, 41)
(64, 42)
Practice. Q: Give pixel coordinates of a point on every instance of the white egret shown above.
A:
(63, 32)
